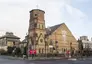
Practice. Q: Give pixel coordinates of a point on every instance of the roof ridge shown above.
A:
(52, 28)
(9, 35)
(55, 25)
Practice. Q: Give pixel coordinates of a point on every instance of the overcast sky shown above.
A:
(14, 15)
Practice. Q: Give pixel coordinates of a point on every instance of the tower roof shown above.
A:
(36, 10)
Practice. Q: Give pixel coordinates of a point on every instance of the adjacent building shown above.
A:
(86, 42)
(9, 40)
(84, 38)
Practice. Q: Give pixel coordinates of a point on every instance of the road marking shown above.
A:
(74, 59)
(32, 63)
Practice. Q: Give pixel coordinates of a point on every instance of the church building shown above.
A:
(55, 39)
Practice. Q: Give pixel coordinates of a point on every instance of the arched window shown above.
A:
(41, 40)
(42, 26)
(39, 50)
(42, 50)
(38, 25)
(64, 50)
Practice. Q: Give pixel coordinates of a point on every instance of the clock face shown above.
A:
(64, 33)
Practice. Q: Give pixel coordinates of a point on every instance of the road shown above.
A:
(5, 60)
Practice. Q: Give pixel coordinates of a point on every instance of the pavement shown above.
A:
(35, 58)
(8, 60)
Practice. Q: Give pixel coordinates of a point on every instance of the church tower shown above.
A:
(36, 30)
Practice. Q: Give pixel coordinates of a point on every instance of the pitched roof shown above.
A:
(24, 41)
(15, 40)
(50, 30)
(9, 35)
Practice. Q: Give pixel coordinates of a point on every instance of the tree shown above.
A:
(80, 44)
(17, 51)
(80, 47)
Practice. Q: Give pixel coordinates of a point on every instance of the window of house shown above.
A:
(3, 42)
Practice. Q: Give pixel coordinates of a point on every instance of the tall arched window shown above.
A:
(41, 40)
(42, 26)
(42, 50)
(39, 50)
(38, 25)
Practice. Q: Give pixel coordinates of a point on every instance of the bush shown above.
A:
(3, 52)
(9, 50)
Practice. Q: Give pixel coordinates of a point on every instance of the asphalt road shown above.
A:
(5, 60)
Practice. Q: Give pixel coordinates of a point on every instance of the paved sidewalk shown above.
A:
(35, 58)
(45, 58)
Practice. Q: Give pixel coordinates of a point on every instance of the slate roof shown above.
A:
(9, 35)
(24, 41)
(16, 40)
(50, 30)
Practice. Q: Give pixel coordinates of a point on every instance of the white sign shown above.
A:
(64, 35)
